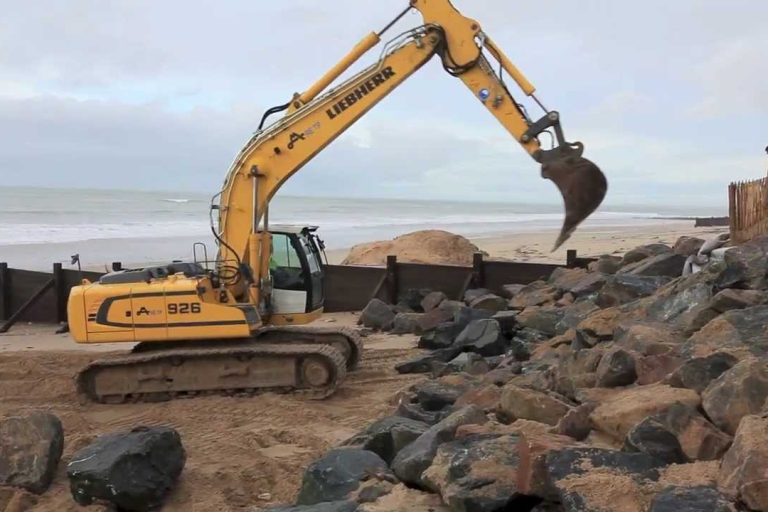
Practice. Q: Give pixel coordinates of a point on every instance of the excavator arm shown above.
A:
(314, 119)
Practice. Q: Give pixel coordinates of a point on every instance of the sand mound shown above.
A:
(430, 246)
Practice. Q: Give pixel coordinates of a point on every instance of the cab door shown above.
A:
(289, 271)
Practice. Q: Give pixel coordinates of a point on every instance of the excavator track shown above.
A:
(345, 340)
(313, 371)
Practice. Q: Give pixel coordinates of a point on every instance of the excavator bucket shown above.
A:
(583, 187)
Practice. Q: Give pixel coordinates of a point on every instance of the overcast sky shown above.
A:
(669, 97)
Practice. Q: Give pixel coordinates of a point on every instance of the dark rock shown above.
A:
(643, 252)
(487, 398)
(423, 363)
(442, 336)
(482, 337)
(741, 331)
(573, 315)
(132, 470)
(535, 294)
(648, 338)
(387, 436)
(738, 392)
(698, 438)
(407, 323)
(468, 362)
(377, 315)
(542, 319)
(699, 372)
(434, 395)
(530, 336)
(669, 265)
(746, 266)
(568, 474)
(415, 412)
(415, 458)
(576, 423)
(477, 473)
(474, 293)
(687, 246)
(328, 506)
(489, 302)
(691, 499)
(510, 290)
(616, 368)
(519, 350)
(466, 315)
(731, 298)
(30, 450)
(432, 300)
(412, 298)
(694, 320)
(529, 404)
(606, 264)
(669, 308)
(577, 281)
(507, 321)
(650, 437)
(338, 473)
(625, 288)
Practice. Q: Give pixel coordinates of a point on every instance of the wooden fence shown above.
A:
(42, 297)
(748, 204)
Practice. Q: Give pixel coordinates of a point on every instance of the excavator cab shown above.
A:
(296, 269)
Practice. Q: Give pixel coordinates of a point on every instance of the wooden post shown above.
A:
(60, 292)
(478, 274)
(5, 291)
(392, 279)
(570, 258)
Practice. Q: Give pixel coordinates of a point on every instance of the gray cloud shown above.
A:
(147, 94)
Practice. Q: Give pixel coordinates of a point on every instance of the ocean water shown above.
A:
(38, 225)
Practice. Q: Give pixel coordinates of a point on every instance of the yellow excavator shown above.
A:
(240, 327)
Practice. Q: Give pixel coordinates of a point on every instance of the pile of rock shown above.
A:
(622, 387)
(132, 471)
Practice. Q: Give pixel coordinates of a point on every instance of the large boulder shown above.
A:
(436, 395)
(414, 459)
(533, 448)
(699, 372)
(687, 246)
(732, 298)
(595, 479)
(328, 506)
(432, 300)
(616, 368)
(740, 332)
(477, 473)
(616, 414)
(424, 363)
(650, 437)
(536, 293)
(30, 450)
(691, 499)
(387, 436)
(409, 300)
(338, 473)
(489, 302)
(133, 470)
(441, 337)
(624, 288)
(542, 319)
(577, 281)
(406, 323)
(529, 404)
(698, 438)
(573, 315)
(483, 337)
(606, 264)
(439, 315)
(746, 266)
(377, 315)
(736, 393)
(644, 251)
(743, 469)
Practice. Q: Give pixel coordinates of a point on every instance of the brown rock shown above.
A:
(643, 252)
(532, 468)
(489, 302)
(486, 398)
(432, 300)
(404, 499)
(528, 404)
(576, 422)
(647, 338)
(431, 319)
(656, 368)
(535, 294)
(741, 332)
(687, 246)
(616, 368)
(599, 326)
(743, 470)
(698, 438)
(731, 298)
(529, 427)
(606, 264)
(736, 393)
(617, 414)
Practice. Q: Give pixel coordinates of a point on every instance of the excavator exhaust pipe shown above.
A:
(582, 185)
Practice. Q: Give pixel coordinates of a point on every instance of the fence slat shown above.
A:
(748, 208)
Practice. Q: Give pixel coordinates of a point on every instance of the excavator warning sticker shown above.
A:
(359, 92)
